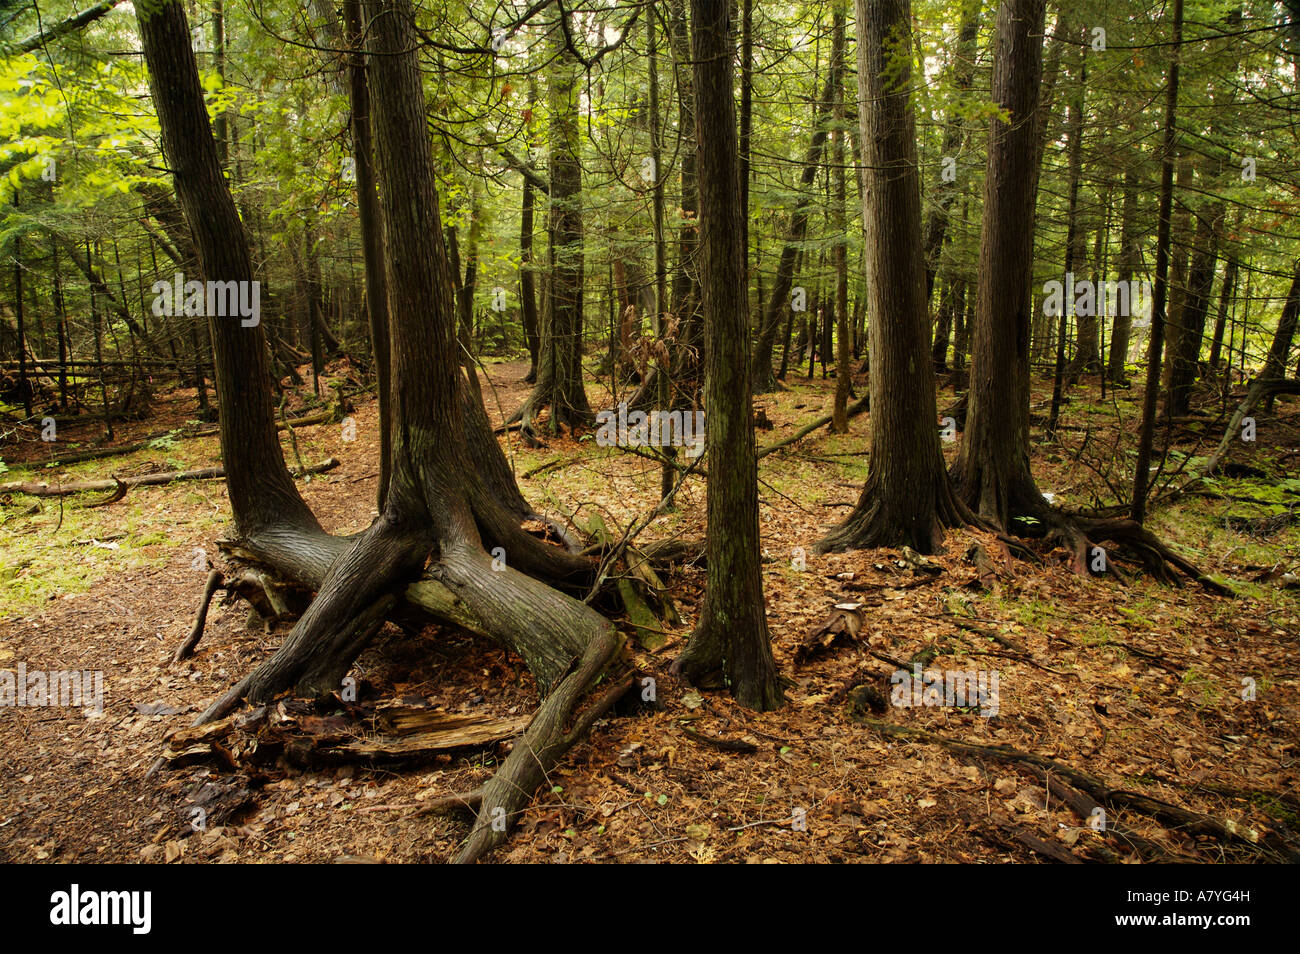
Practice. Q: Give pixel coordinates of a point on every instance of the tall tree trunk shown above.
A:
(746, 114)
(962, 73)
(372, 239)
(1226, 290)
(24, 386)
(779, 296)
(840, 252)
(1129, 260)
(907, 498)
(1181, 239)
(730, 644)
(1276, 363)
(1184, 364)
(527, 282)
(262, 494)
(992, 469)
(1073, 236)
(61, 323)
(1159, 295)
(663, 362)
(559, 376)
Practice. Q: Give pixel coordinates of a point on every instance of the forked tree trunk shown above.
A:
(730, 644)
(907, 498)
(436, 501)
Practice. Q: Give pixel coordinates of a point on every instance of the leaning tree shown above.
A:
(426, 552)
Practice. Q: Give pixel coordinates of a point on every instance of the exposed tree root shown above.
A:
(1084, 536)
(542, 745)
(215, 581)
(1013, 501)
(917, 518)
(1270, 843)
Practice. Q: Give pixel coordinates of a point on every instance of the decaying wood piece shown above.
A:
(857, 407)
(642, 592)
(841, 628)
(411, 733)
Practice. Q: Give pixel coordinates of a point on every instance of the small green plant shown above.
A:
(166, 442)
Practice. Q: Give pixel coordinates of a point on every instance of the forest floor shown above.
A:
(1137, 684)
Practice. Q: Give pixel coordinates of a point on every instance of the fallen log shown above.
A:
(80, 457)
(144, 480)
(856, 408)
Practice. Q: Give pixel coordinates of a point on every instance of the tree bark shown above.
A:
(262, 494)
(907, 498)
(372, 239)
(1184, 360)
(962, 73)
(1275, 363)
(1146, 433)
(840, 251)
(730, 644)
(1226, 290)
(559, 376)
(992, 469)
(1129, 260)
(779, 296)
